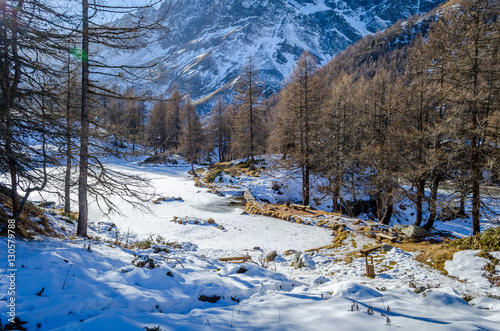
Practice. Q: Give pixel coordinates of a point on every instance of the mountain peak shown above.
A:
(209, 41)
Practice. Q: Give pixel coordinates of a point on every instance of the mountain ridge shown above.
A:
(210, 41)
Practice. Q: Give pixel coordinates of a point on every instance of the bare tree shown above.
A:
(298, 122)
(191, 138)
(141, 29)
(219, 129)
(28, 33)
(246, 135)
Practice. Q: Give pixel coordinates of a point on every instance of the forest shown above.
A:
(410, 109)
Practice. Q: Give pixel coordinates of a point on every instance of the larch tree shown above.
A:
(173, 119)
(247, 135)
(156, 128)
(470, 39)
(337, 120)
(143, 27)
(29, 32)
(299, 117)
(191, 136)
(219, 130)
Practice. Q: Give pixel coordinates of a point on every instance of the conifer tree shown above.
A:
(191, 136)
(219, 130)
(299, 117)
(470, 73)
(247, 122)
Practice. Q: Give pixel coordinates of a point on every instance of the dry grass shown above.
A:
(488, 240)
(31, 221)
(434, 255)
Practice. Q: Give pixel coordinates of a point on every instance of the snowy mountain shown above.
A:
(210, 40)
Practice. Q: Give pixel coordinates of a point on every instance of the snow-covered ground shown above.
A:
(64, 285)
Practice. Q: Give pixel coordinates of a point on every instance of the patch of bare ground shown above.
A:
(31, 221)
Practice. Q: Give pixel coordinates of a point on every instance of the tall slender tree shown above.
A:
(299, 118)
(247, 125)
(140, 30)
(191, 138)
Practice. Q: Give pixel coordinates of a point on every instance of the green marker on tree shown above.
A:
(79, 53)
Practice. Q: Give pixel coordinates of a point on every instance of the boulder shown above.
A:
(412, 231)
(419, 289)
(297, 261)
(386, 248)
(271, 256)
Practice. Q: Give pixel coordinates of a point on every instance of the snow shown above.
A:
(468, 267)
(101, 289)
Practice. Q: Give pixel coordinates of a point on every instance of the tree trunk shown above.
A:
(306, 184)
(433, 204)
(84, 130)
(336, 205)
(192, 170)
(386, 219)
(252, 147)
(419, 200)
(13, 185)
(67, 178)
(475, 167)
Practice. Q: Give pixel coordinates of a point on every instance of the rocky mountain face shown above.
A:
(210, 40)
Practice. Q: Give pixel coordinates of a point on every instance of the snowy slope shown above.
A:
(209, 41)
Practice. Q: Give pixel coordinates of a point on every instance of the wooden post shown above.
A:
(370, 268)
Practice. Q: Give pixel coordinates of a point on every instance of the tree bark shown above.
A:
(386, 219)
(67, 178)
(419, 200)
(433, 203)
(84, 130)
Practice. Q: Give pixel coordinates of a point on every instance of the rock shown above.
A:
(412, 231)
(297, 261)
(289, 252)
(210, 221)
(386, 248)
(420, 289)
(211, 299)
(271, 256)
(220, 227)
